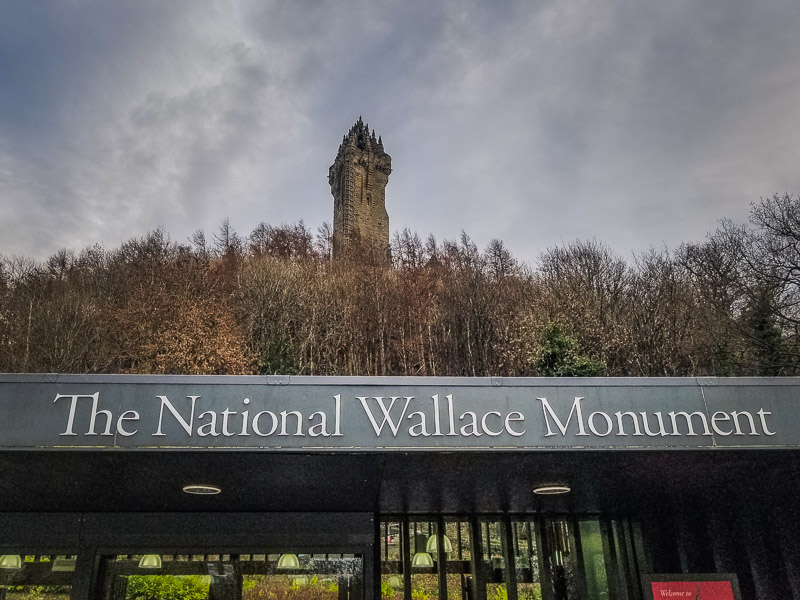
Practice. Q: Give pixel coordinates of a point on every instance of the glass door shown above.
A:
(502, 558)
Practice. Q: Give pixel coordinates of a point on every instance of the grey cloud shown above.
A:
(635, 123)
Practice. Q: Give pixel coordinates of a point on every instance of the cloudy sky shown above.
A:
(534, 121)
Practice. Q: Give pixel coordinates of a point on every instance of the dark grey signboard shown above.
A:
(376, 414)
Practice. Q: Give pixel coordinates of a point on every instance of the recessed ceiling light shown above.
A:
(552, 489)
(202, 489)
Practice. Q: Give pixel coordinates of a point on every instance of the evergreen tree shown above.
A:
(562, 356)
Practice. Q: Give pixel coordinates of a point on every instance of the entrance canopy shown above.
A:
(389, 445)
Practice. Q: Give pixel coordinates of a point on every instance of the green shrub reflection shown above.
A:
(38, 592)
(167, 587)
(282, 587)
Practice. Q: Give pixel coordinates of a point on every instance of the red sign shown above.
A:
(692, 590)
(691, 586)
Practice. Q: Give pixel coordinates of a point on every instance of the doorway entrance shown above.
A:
(504, 557)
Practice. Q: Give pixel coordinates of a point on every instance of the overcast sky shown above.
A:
(635, 122)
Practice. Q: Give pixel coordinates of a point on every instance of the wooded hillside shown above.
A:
(275, 302)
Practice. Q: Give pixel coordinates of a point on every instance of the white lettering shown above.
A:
(437, 430)
(662, 431)
(272, 416)
(576, 408)
(688, 417)
(225, 414)
(418, 428)
(485, 427)
(106, 413)
(735, 415)
(209, 428)
(473, 424)
(763, 416)
(451, 417)
(387, 417)
(720, 416)
(609, 423)
(187, 425)
(621, 425)
(134, 416)
(320, 428)
(285, 417)
(72, 407)
(245, 417)
(510, 418)
(337, 402)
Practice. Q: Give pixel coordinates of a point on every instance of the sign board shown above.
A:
(379, 414)
(695, 586)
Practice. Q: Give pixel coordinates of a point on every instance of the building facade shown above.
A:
(358, 178)
(311, 488)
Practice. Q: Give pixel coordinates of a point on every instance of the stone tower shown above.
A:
(358, 179)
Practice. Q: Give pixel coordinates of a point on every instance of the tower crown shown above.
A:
(360, 137)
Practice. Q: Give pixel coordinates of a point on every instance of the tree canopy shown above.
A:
(275, 302)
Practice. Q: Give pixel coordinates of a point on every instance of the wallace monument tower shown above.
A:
(358, 179)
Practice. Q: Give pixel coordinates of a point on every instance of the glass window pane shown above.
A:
(392, 582)
(424, 577)
(529, 586)
(594, 564)
(458, 534)
(491, 532)
(561, 561)
(36, 576)
(286, 576)
(494, 561)
(458, 551)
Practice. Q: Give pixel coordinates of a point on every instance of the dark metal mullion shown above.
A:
(441, 557)
(478, 569)
(238, 576)
(458, 538)
(642, 560)
(531, 555)
(627, 558)
(581, 574)
(406, 549)
(385, 533)
(85, 579)
(372, 564)
(633, 566)
(615, 589)
(544, 557)
(622, 559)
(507, 540)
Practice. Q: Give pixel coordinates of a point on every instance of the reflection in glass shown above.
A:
(594, 565)
(561, 559)
(459, 577)
(432, 547)
(392, 582)
(150, 561)
(236, 577)
(422, 559)
(494, 560)
(424, 575)
(10, 561)
(33, 577)
(529, 586)
(288, 561)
